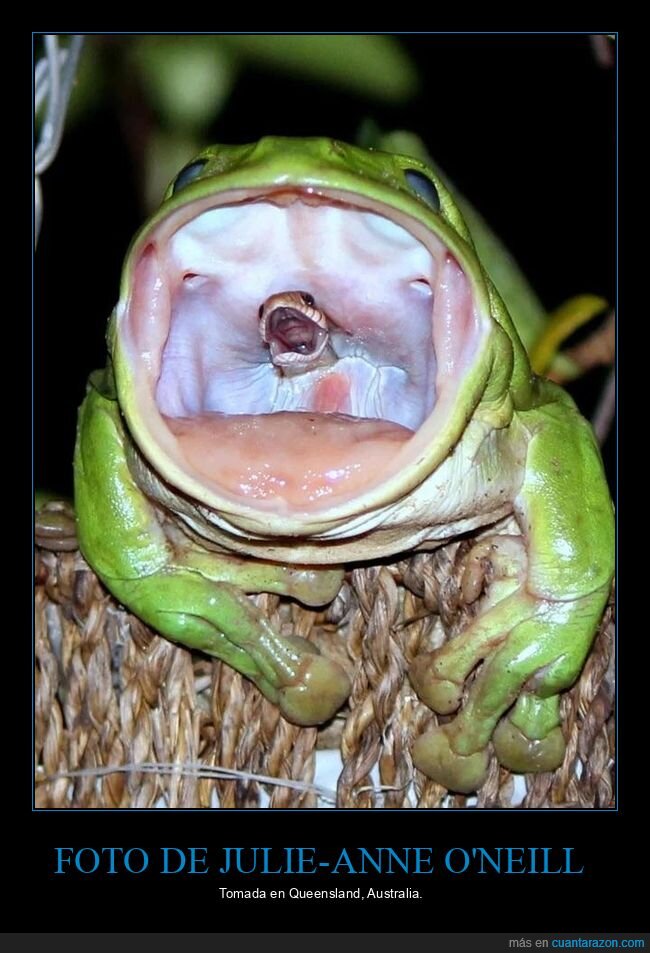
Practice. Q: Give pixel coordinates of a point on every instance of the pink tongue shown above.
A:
(298, 457)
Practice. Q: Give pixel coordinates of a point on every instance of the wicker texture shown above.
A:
(110, 693)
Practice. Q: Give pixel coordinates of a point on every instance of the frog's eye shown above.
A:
(423, 187)
(188, 174)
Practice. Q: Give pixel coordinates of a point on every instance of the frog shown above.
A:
(309, 368)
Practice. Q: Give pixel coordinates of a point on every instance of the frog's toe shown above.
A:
(434, 756)
(438, 694)
(313, 587)
(317, 692)
(54, 524)
(521, 754)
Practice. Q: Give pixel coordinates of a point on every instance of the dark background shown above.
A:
(525, 127)
(523, 124)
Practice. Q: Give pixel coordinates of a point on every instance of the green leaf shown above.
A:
(187, 78)
(375, 66)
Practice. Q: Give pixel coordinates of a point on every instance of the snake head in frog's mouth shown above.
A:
(381, 327)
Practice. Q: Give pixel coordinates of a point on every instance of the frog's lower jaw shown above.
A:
(220, 421)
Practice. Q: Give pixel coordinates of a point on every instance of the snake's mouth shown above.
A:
(397, 328)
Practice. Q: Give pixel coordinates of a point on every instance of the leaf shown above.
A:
(375, 66)
(187, 78)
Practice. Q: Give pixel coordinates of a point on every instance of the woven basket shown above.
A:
(126, 719)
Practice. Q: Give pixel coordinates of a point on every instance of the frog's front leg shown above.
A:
(188, 595)
(538, 657)
(533, 640)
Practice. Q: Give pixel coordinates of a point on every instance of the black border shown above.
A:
(608, 843)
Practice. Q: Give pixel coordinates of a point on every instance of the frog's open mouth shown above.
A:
(402, 323)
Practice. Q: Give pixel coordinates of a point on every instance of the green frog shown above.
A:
(309, 367)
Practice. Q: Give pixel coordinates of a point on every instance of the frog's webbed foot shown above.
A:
(531, 649)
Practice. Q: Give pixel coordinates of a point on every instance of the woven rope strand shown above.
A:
(111, 693)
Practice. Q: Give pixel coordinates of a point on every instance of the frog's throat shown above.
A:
(200, 392)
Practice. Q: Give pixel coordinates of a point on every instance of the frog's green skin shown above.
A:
(505, 444)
